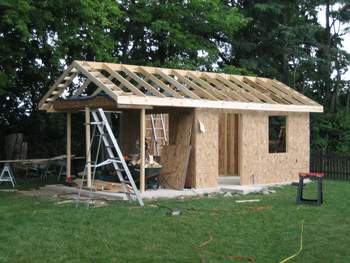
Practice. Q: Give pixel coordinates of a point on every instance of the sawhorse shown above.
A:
(7, 175)
(300, 198)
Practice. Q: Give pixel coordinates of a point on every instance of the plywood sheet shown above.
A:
(203, 168)
(180, 127)
(174, 160)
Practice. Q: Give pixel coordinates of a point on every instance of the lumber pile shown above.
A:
(99, 185)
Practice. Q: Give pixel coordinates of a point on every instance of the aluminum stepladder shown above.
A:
(7, 176)
(156, 138)
(115, 156)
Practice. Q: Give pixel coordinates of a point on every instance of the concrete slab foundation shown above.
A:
(225, 185)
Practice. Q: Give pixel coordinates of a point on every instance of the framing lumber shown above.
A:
(123, 81)
(194, 86)
(99, 83)
(218, 93)
(55, 85)
(142, 149)
(253, 91)
(141, 87)
(229, 105)
(87, 146)
(177, 84)
(265, 91)
(69, 146)
(244, 95)
(300, 97)
(288, 98)
(161, 84)
(142, 82)
(76, 105)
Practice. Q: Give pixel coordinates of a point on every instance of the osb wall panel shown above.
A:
(174, 166)
(228, 144)
(180, 127)
(257, 165)
(204, 164)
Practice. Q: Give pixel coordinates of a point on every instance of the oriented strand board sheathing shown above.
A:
(180, 127)
(204, 167)
(257, 165)
(174, 163)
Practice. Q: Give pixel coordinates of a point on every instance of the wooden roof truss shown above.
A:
(148, 86)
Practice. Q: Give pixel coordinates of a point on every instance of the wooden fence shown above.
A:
(336, 166)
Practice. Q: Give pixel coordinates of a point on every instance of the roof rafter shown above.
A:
(141, 86)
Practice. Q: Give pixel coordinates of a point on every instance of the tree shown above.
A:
(37, 40)
(176, 33)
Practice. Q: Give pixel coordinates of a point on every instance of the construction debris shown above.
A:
(174, 212)
(99, 185)
(248, 201)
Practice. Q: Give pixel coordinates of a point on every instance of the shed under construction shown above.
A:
(217, 124)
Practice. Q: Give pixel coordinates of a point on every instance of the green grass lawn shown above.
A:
(213, 229)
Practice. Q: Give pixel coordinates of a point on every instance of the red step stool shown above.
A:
(311, 175)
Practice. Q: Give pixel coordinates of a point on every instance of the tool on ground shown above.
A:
(103, 131)
(300, 199)
(7, 176)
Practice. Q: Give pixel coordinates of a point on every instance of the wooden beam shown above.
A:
(265, 90)
(219, 85)
(252, 90)
(220, 104)
(200, 91)
(99, 83)
(218, 93)
(286, 97)
(69, 70)
(142, 149)
(81, 89)
(300, 97)
(103, 102)
(123, 81)
(88, 145)
(178, 85)
(69, 148)
(142, 82)
(159, 83)
(241, 92)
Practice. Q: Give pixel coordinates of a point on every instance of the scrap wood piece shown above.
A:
(174, 161)
(248, 201)
(99, 185)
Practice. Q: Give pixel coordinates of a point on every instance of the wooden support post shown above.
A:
(142, 149)
(69, 147)
(88, 148)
